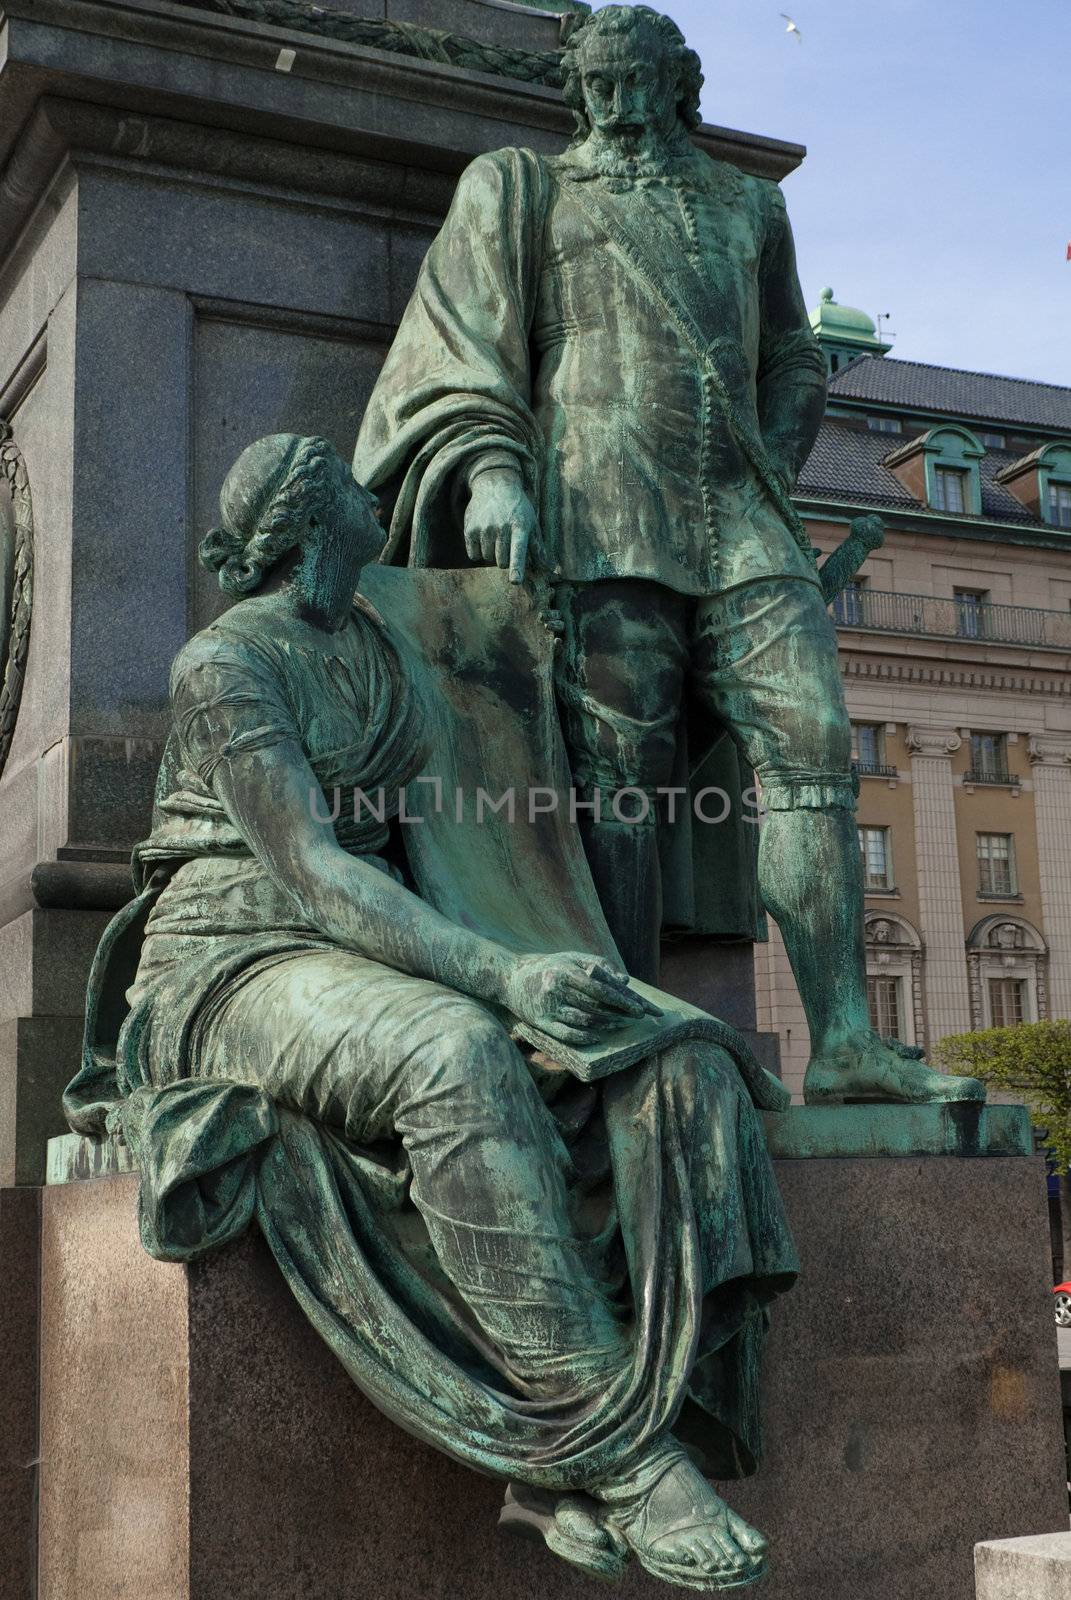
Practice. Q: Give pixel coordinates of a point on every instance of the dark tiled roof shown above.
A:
(982, 396)
(846, 464)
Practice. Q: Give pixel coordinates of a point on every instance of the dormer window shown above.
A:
(1041, 481)
(949, 489)
(940, 469)
(1060, 505)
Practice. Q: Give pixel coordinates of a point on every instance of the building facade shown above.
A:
(955, 645)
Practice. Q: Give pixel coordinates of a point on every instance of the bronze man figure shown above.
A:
(606, 366)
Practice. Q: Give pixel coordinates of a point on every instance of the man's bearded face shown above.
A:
(629, 86)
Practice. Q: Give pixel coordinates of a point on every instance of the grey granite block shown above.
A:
(19, 1250)
(38, 1057)
(45, 957)
(911, 1408)
(1024, 1569)
(717, 975)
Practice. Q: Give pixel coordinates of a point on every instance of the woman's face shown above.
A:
(360, 513)
(336, 549)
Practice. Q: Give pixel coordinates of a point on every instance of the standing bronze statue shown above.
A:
(606, 369)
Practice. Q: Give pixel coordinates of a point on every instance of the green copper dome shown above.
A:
(844, 322)
(844, 333)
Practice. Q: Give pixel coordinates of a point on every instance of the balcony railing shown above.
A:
(977, 775)
(882, 611)
(875, 769)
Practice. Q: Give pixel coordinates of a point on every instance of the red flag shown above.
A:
(1069, 252)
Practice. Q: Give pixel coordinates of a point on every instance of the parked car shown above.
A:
(1062, 1291)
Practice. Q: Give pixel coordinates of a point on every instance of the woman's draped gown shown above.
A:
(534, 1274)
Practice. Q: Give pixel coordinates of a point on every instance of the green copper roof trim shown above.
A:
(956, 527)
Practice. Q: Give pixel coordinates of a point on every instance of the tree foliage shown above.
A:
(1032, 1060)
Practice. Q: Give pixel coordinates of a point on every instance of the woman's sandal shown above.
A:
(572, 1525)
(685, 1574)
(625, 1506)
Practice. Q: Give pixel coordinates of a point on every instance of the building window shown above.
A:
(996, 864)
(971, 612)
(1060, 504)
(877, 858)
(989, 758)
(884, 1000)
(885, 424)
(993, 441)
(849, 606)
(950, 489)
(1007, 1002)
(868, 746)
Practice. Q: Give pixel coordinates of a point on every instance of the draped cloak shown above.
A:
(679, 1198)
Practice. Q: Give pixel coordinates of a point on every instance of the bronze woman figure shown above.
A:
(534, 1273)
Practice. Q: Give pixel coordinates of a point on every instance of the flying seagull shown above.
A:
(792, 28)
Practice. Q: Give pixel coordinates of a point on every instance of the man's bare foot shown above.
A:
(680, 1531)
(866, 1068)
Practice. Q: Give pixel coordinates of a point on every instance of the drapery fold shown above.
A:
(215, 1156)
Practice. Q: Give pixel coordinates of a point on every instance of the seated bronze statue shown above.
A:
(549, 1279)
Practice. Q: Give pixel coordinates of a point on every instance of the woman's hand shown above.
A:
(573, 997)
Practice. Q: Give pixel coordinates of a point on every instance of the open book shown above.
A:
(634, 1040)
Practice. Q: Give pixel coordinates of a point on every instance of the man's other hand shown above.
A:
(501, 527)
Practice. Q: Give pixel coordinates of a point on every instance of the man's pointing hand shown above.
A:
(501, 527)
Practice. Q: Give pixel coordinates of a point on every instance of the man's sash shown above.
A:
(691, 305)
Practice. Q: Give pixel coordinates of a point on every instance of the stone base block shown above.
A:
(1024, 1569)
(35, 1067)
(20, 1212)
(199, 1442)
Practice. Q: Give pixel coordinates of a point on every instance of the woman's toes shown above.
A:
(731, 1555)
(747, 1537)
(696, 1552)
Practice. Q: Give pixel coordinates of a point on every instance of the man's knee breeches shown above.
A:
(765, 663)
(620, 672)
(761, 659)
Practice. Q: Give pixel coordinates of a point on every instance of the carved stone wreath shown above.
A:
(16, 583)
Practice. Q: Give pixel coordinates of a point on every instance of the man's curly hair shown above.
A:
(276, 489)
(615, 21)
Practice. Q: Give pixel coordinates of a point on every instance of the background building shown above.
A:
(955, 645)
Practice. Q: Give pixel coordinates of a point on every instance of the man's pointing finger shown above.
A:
(518, 552)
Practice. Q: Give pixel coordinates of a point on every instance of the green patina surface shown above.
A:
(798, 1134)
(73, 1157)
(862, 1132)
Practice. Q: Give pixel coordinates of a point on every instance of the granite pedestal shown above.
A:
(1024, 1569)
(20, 1211)
(198, 1440)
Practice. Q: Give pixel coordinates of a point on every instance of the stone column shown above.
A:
(948, 1008)
(1050, 757)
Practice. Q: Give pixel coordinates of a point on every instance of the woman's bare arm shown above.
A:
(272, 796)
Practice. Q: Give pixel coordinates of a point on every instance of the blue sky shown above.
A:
(937, 184)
